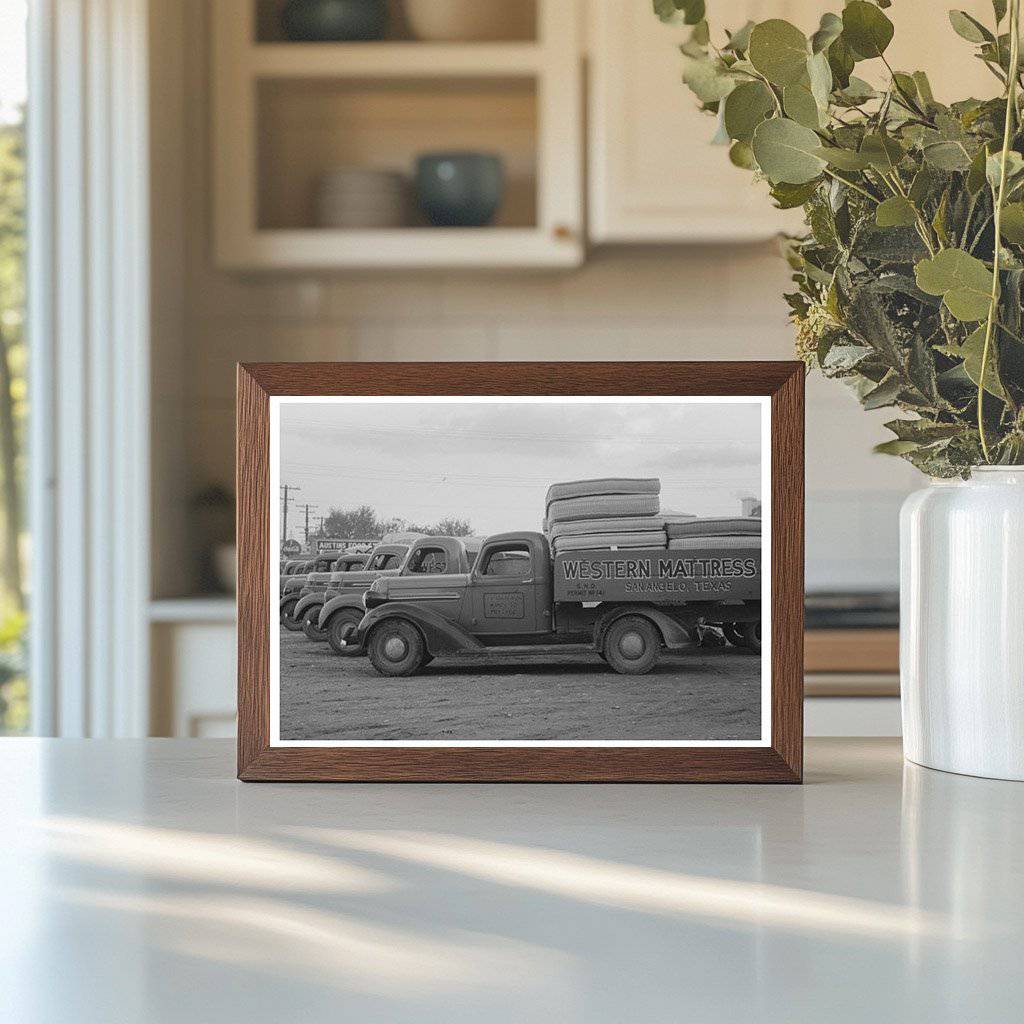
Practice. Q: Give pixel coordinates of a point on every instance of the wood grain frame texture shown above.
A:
(782, 761)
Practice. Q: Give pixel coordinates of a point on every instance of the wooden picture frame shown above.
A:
(780, 760)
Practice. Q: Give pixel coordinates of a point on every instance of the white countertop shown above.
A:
(140, 882)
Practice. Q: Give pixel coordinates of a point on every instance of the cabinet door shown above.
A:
(654, 177)
(653, 174)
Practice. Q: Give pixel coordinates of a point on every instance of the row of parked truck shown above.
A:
(414, 598)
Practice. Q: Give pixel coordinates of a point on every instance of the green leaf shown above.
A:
(947, 156)
(866, 29)
(857, 91)
(924, 87)
(800, 105)
(895, 447)
(883, 152)
(779, 51)
(976, 173)
(963, 281)
(971, 351)
(841, 63)
(1012, 224)
(993, 167)
(844, 159)
(787, 152)
(690, 12)
(885, 394)
(741, 155)
(819, 74)
(969, 28)
(895, 212)
(707, 78)
(829, 30)
(739, 41)
(922, 185)
(745, 108)
(788, 197)
(923, 431)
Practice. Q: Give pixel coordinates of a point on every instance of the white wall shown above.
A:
(669, 303)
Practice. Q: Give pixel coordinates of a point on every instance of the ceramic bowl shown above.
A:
(470, 20)
(334, 21)
(460, 189)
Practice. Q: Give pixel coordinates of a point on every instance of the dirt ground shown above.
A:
(702, 694)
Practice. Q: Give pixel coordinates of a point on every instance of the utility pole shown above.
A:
(307, 508)
(287, 491)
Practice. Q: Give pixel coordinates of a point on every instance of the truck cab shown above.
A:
(428, 558)
(628, 605)
(292, 584)
(349, 571)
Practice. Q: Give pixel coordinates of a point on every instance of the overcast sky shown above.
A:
(492, 463)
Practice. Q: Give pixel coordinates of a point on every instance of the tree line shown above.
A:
(364, 522)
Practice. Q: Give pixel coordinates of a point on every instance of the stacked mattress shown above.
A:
(728, 532)
(610, 513)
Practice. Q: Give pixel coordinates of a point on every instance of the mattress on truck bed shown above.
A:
(713, 572)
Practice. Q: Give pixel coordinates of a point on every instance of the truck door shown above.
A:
(504, 591)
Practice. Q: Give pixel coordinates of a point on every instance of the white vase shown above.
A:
(962, 624)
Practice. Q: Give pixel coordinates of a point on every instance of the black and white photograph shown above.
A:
(551, 570)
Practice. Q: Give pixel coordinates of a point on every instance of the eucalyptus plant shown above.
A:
(910, 277)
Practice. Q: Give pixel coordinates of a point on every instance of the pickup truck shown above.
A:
(628, 605)
(428, 557)
(291, 586)
(349, 570)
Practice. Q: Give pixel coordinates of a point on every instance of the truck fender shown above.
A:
(307, 602)
(673, 634)
(341, 601)
(442, 636)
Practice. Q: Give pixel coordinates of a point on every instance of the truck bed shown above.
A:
(712, 572)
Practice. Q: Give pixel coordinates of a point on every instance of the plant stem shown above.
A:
(853, 185)
(1011, 108)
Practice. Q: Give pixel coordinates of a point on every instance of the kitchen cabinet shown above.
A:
(654, 177)
(287, 114)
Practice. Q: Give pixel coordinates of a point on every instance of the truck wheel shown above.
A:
(309, 620)
(396, 648)
(752, 636)
(337, 624)
(288, 619)
(632, 645)
(733, 634)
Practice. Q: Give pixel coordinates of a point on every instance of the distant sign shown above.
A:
(336, 545)
(291, 547)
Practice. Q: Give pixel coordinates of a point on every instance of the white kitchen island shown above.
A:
(141, 882)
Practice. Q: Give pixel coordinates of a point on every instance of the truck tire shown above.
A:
(752, 636)
(337, 624)
(632, 645)
(309, 623)
(396, 648)
(288, 619)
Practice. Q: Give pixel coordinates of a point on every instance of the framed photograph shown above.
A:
(520, 571)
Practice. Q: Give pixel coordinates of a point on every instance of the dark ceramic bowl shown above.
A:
(334, 21)
(460, 189)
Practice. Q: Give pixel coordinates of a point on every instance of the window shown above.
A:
(507, 560)
(14, 691)
(429, 560)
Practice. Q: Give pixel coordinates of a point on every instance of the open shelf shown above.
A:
(309, 127)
